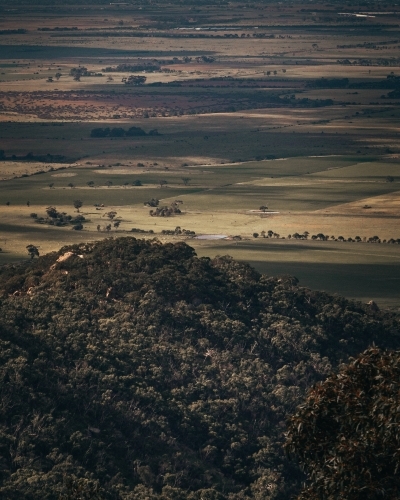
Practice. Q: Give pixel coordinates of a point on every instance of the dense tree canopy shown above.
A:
(347, 434)
(137, 370)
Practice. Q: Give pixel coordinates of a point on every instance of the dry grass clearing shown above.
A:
(13, 169)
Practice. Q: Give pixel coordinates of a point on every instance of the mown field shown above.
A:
(281, 106)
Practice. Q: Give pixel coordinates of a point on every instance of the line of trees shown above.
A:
(324, 237)
(120, 132)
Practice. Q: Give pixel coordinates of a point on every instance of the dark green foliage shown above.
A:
(60, 219)
(137, 370)
(117, 132)
(347, 436)
(132, 68)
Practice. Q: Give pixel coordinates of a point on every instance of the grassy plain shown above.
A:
(254, 125)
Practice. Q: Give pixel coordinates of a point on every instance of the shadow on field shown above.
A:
(379, 282)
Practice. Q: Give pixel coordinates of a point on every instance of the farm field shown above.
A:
(292, 108)
(361, 272)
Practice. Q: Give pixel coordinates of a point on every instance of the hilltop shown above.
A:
(136, 370)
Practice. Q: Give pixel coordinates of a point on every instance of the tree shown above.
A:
(135, 80)
(51, 185)
(263, 208)
(78, 204)
(71, 185)
(52, 212)
(111, 215)
(32, 251)
(117, 132)
(109, 183)
(389, 178)
(162, 183)
(186, 180)
(135, 131)
(346, 435)
(90, 183)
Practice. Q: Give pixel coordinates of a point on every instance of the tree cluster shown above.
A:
(135, 80)
(152, 203)
(173, 209)
(60, 219)
(118, 132)
(178, 231)
(131, 370)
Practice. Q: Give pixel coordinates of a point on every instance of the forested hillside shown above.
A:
(136, 370)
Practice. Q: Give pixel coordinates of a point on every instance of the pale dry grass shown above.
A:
(384, 205)
(13, 169)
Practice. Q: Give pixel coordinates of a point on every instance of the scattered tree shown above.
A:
(78, 204)
(32, 251)
(152, 203)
